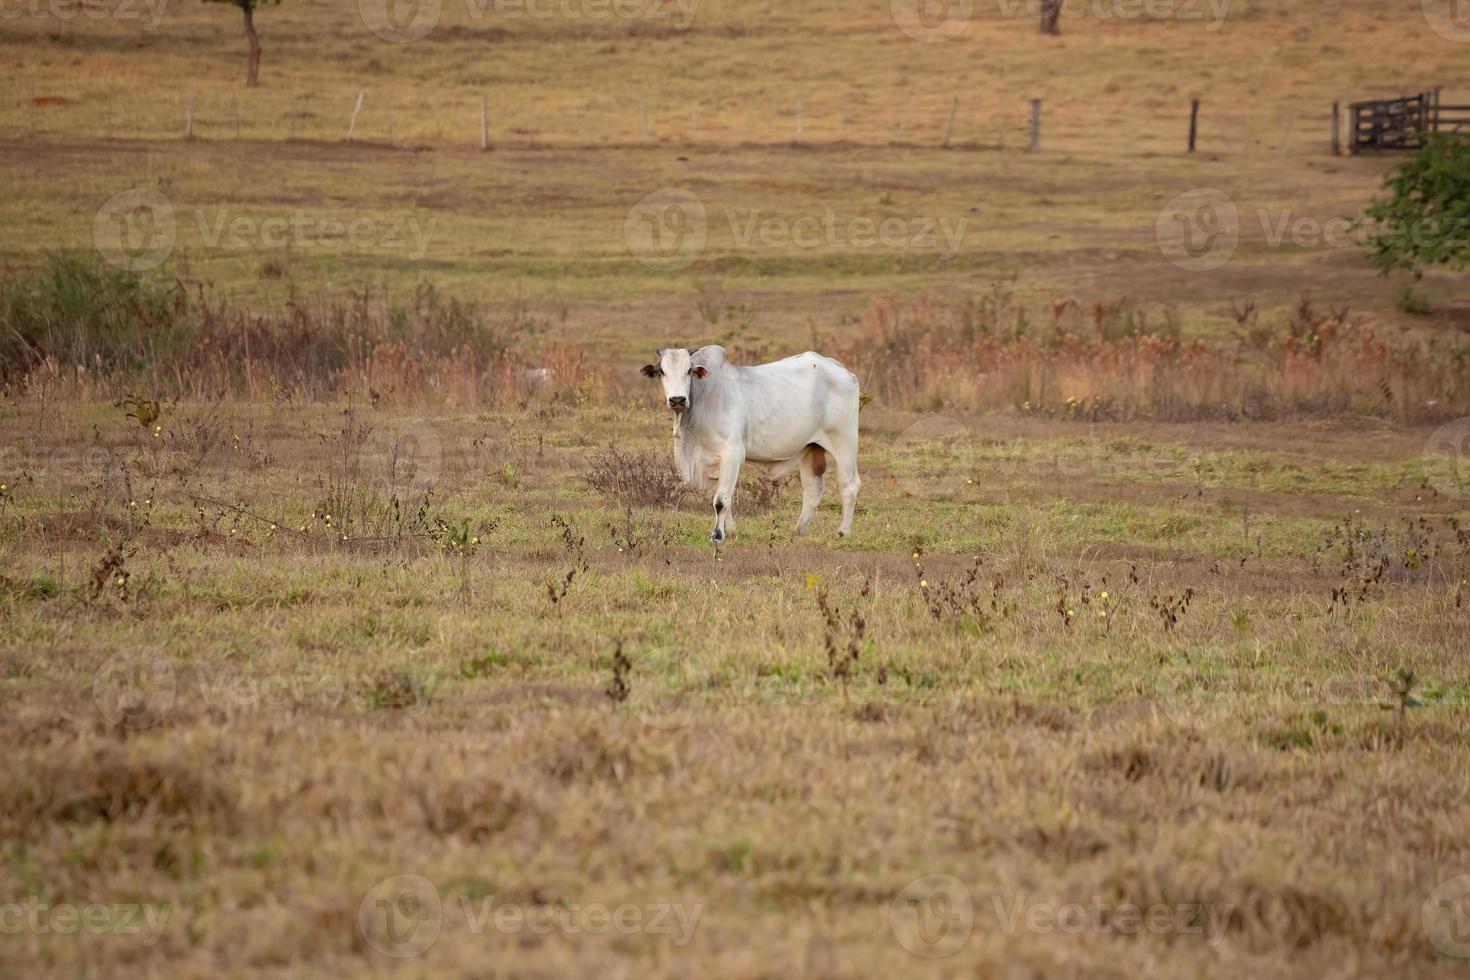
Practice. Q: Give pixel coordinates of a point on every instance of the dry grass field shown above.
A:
(351, 624)
(251, 670)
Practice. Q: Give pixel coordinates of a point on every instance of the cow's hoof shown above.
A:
(717, 536)
(843, 534)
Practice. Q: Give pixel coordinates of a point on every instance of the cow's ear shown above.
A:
(699, 370)
(652, 370)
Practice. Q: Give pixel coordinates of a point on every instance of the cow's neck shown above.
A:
(689, 428)
(686, 442)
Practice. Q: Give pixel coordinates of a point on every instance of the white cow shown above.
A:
(778, 416)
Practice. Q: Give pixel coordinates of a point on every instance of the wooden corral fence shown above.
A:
(1403, 124)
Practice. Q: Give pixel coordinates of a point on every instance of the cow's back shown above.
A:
(791, 402)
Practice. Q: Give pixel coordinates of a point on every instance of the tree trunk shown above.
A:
(1051, 14)
(252, 70)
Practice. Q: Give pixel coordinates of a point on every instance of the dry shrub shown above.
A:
(758, 495)
(104, 333)
(639, 478)
(1118, 361)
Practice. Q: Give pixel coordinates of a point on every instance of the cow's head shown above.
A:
(678, 370)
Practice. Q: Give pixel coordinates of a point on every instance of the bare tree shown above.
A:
(1051, 15)
(247, 7)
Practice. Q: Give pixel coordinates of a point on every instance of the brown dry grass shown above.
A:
(337, 712)
(352, 611)
(1112, 362)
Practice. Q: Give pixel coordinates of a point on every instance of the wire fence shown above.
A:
(67, 107)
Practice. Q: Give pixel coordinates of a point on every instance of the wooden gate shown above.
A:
(1403, 124)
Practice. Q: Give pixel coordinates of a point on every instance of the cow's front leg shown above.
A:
(730, 461)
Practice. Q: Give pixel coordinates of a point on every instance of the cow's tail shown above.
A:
(857, 391)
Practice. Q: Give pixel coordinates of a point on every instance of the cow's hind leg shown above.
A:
(844, 454)
(725, 493)
(813, 465)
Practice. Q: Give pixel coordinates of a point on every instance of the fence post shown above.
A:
(799, 106)
(189, 115)
(1035, 125)
(949, 124)
(484, 121)
(1193, 122)
(352, 126)
(1336, 129)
